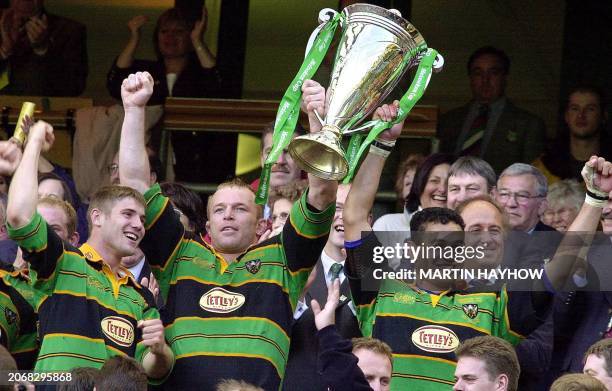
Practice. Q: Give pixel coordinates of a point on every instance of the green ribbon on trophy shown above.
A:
(289, 108)
(356, 147)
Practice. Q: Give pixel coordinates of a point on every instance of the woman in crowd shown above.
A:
(405, 177)
(564, 201)
(428, 190)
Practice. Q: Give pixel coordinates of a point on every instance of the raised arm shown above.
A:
(597, 174)
(205, 57)
(363, 191)
(126, 57)
(134, 168)
(23, 192)
(313, 99)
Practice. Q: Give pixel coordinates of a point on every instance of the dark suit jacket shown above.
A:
(62, 71)
(519, 136)
(301, 372)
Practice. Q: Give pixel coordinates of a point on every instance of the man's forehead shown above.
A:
(439, 227)
(233, 195)
(518, 182)
(466, 179)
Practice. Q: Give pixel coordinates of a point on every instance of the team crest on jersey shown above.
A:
(253, 266)
(435, 339)
(10, 315)
(221, 301)
(471, 310)
(118, 330)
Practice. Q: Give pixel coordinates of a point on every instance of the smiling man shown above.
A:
(229, 305)
(89, 306)
(468, 177)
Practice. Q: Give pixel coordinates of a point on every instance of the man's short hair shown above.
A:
(373, 345)
(49, 175)
(577, 382)
(434, 215)
(527, 169)
(187, 202)
(83, 379)
(602, 349)
(236, 385)
(488, 199)
(65, 207)
(471, 165)
(498, 356)
(105, 198)
(121, 373)
(588, 89)
(490, 50)
(237, 183)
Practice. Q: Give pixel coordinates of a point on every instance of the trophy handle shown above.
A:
(325, 15)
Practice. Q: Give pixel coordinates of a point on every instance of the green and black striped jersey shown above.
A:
(423, 329)
(17, 318)
(230, 320)
(86, 314)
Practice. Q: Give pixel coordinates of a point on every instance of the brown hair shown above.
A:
(577, 382)
(602, 349)
(498, 356)
(239, 184)
(187, 202)
(105, 198)
(412, 162)
(83, 379)
(236, 385)
(121, 373)
(51, 176)
(65, 207)
(373, 345)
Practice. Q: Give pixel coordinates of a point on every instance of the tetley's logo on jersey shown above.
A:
(118, 330)
(435, 339)
(221, 301)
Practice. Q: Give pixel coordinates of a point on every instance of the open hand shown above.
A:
(37, 29)
(135, 24)
(152, 284)
(327, 316)
(199, 28)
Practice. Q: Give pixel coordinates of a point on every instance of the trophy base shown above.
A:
(320, 154)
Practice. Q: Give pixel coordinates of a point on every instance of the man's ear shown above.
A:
(152, 178)
(96, 217)
(502, 382)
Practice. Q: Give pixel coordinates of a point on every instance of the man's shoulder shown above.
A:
(520, 113)
(454, 115)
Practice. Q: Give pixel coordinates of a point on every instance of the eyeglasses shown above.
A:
(520, 198)
(112, 168)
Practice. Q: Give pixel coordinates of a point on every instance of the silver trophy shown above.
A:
(377, 47)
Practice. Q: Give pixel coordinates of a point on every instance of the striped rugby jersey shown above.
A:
(424, 329)
(17, 318)
(230, 320)
(86, 314)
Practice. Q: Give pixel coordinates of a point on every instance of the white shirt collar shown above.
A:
(327, 262)
(136, 269)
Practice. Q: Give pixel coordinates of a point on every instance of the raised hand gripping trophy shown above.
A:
(377, 47)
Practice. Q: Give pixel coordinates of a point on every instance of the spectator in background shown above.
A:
(121, 373)
(43, 54)
(564, 201)
(581, 136)
(236, 385)
(282, 199)
(188, 205)
(8, 248)
(486, 363)
(469, 177)
(185, 67)
(577, 382)
(598, 362)
(405, 177)
(490, 126)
